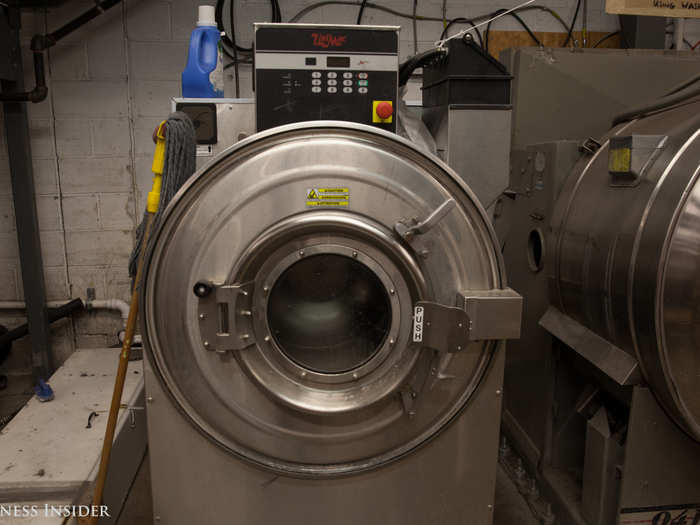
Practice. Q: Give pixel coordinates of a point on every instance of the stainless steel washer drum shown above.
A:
(626, 252)
(278, 297)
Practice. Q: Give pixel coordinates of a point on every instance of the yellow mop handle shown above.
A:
(157, 169)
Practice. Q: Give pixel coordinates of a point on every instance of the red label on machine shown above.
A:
(327, 40)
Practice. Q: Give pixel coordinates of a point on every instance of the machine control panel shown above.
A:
(317, 72)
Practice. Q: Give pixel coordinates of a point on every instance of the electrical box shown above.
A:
(320, 72)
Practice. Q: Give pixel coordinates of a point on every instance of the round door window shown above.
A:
(329, 313)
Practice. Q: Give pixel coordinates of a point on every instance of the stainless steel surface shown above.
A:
(661, 463)
(475, 142)
(624, 261)
(617, 364)
(560, 94)
(235, 120)
(450, 481)
(243, 223)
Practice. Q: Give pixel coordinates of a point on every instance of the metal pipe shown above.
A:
(678, 30)
(110, 304)
(54, 314)
(96, 304)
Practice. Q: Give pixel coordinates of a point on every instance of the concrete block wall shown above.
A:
(109, 85)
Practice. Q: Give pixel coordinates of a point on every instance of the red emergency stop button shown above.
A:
(384, 110)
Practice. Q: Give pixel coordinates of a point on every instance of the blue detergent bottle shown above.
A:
(203, 76)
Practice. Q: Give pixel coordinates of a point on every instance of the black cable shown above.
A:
(411, 64)
(606, 37)
(460, 20)
(664, 103)
(573, 23)
(362, 10)
(415, 27)
(235, 51)
(520, 21)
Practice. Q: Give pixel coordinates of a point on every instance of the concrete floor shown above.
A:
(511, 508)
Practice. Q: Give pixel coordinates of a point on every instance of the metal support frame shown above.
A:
(22, 176)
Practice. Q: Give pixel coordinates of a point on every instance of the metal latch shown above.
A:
(410, 230)
(225, 315)
(480, 315)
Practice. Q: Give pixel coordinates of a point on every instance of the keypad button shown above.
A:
(347, 82)
(332, 82)
(316, 74)
(347, 90)
(362, 75)
(332, 74)
(316, 82)
(316, 89)
(347, 74)
(362, 82)
(332, 89)
(362, 90)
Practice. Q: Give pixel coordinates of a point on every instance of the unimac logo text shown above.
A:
(327, 40)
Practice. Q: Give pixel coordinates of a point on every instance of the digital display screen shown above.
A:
(337, 61)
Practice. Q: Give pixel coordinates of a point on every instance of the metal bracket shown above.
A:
(590, 146)
(410, 229)
(225, 316)
(481, 315)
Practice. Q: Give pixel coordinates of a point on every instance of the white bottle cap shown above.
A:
(206, 16)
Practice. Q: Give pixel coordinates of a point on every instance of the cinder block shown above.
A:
(53, 251)
(90, 99)
(41, 136)
(98, 248)
(148, 20)
(157, 60)
(45, 176)
(69, 62)
(56, 284)
(151, 98)
(62, 341)
(7, 215)
(8, 248)
(110, 137)
(143, 134)
(94, 341)
(95, 175)
(116, 211)
(9, 290)
(118, 283)
(96, 322)
(106, 51)
(73, 138)
(80, 212)
(48, 212)
(81, 278)
(183, 15)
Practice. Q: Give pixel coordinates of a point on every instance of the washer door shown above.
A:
(280, 290)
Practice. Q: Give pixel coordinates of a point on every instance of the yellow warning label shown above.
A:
(327, 197)
(620, 160)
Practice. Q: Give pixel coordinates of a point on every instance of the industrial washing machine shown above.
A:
(602, 391)
(324, 312)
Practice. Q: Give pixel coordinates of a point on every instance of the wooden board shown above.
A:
(674, 8)
(500, 40)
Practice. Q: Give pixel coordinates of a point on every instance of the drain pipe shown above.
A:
(110, 304)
